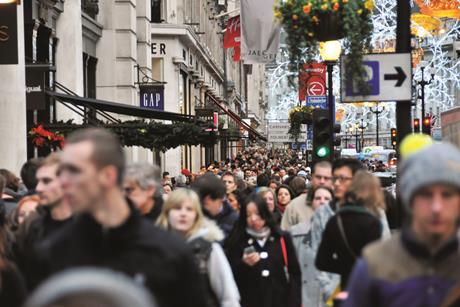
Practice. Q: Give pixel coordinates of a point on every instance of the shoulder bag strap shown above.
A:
(344, 236)
(285, 256)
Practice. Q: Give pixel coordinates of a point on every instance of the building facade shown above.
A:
(107, 51)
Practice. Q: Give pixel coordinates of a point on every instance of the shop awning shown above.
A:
(238, 120)
(119, 108)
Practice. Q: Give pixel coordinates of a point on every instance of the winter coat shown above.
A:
(29, 235)
(266, 283)
(213, 265)
(12, 286)
(225, 219)
(296, 212)
(402, 272)
(312, 293)
(160, 260)
(360, 228)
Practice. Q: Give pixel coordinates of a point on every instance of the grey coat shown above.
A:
(312, 293)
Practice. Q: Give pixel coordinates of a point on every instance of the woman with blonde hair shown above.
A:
(182, 214)
(357, 223)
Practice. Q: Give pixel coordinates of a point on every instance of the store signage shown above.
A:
(389, 76)
(158, 48)
(312, 81)
(152, 97)
(8, 34)
(35, 88)
(279, 133)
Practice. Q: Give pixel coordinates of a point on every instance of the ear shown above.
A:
(108, 176)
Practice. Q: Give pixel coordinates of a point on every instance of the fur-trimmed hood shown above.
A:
(209, 231)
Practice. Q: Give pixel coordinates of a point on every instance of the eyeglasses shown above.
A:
(341, 178)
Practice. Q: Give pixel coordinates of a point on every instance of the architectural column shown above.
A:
(13, 107)
(69, 54)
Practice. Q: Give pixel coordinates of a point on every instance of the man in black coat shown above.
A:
(109, 232)
(52, 214)
(212, 195)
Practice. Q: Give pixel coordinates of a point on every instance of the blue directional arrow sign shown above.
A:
(389, 76)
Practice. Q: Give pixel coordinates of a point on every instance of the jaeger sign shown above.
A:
(8, 33)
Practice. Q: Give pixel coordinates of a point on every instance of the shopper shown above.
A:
(356, 224)
(182, 214)
(313, 294)
(263, 259)
(109, 232)
(421, 265)
(142, 186)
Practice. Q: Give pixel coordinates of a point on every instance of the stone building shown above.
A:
(78, 53)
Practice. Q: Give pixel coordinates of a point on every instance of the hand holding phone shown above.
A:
(250, 256)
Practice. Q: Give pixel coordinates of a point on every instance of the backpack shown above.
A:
(202, 249)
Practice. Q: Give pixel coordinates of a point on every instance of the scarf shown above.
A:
(259, 234)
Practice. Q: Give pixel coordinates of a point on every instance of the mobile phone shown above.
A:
(249, 250)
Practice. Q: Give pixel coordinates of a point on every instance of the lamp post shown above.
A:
(423, 83)
(330, 52)
(362, 128)
(377, 112)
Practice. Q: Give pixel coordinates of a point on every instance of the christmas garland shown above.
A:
(147, 134)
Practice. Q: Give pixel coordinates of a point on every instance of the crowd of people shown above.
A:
(81, 227)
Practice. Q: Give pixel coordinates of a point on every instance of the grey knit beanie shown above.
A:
(436, 164)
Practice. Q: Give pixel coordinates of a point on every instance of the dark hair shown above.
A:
(263, 180)
(240, 226)
(11, 180)
(298, 185)
(106, 148)
(2, 184)
(28, 171)
(353, 164)
(239, 195)
(273, 181)
(283, 186)
(321, 164)
(165, 174)
(209, 185)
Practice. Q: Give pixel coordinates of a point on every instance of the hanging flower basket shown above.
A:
(329, 27)
(42, 138)
(297, 117)
(307, 22)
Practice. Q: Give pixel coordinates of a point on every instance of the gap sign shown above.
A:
(389, 76)
(152, 97)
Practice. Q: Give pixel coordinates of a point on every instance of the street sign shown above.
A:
(278, 133)
(388, 74)
(317, 102)
(312, 81)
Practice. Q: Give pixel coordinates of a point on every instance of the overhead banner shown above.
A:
(260, 32)
(232, 37)
(8, 34)
(312, 81)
